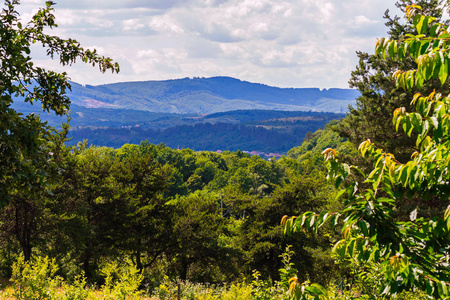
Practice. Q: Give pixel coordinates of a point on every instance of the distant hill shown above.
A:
(267, 131)
(209, 95)
(219, 113)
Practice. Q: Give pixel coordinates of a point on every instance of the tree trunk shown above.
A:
(86, 267)
(23, 226)
(139, 265)
(184, 268)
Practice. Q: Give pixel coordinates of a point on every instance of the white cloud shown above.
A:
(132, 25)
(278, 42)
(165, 24)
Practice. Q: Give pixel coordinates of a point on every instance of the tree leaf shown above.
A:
(443, 71)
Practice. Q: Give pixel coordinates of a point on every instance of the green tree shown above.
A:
(198, 254)
(87, 207)
(147, 227)
(23, 138)
(411, 254)
(25, 218)
(261, 235)
(370, 119)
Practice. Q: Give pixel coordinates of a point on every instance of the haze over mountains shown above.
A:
(209, 95)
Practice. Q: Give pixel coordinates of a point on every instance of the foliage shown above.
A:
(370, 118)
(263, 289)
(198, 216)
(412, 254)
(77, 290)
(23, 138)
(206, 134)
(191, 291)
(288, 271)
(35, 279)
(309, 154)
(198, 225)
(143, 203)
(121, 280)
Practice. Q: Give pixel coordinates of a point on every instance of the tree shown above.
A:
(23, 138)
(87, 207)
(370, 119)
(411, 254)
(147, 228)
(198, 254)
(261, 237)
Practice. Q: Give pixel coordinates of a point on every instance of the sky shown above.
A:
(284, 43)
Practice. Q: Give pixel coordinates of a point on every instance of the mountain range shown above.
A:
(209, 95)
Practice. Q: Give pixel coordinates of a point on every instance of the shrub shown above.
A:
(35, 279)
(121, 280)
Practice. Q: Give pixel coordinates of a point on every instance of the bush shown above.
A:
(35, 279)
(121, 280)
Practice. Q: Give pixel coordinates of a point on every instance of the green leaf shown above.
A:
(443, 71)
(364, 226)
(372, 174)
(392, 49)
(419, 80)
(447, 213)
(442, 289)
(402, 81)
(409, 80)
(334, 220)
(351, 247)
(312, 220)
(379, 47)
(339, 194)
(402, 48)
(435, 122)
(324, 217)
(430, 287)
(444, 36)
(422, 24)
(435, 30)
(337, 246)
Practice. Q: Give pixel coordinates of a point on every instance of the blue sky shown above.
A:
(285, 43)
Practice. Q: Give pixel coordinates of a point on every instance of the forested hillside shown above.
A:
(200, 216)
(209, 95)
(262, 131)
(267, 131)
(270, 131)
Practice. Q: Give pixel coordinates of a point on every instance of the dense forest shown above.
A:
(147, 221)
(263, 131)
(266, 131)
(200, 216)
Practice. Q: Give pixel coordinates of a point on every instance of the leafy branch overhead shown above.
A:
(23, 139)
(412, 252)
(18, 70)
